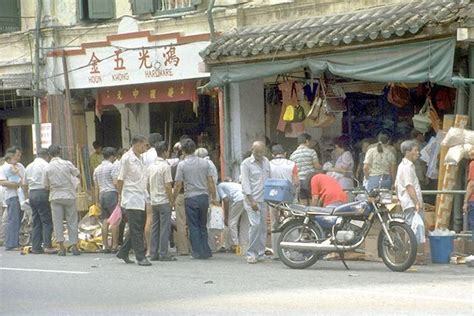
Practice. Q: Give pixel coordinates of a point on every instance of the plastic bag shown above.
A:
(94, 210)
(418, 227)
(216, 218)
(116, 216)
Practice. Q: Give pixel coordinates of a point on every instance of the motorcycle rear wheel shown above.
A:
(296, 232)
(402, 256)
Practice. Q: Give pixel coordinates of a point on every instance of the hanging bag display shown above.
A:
(335, 97)
(422, 120)
(322, 117)
(318, 101)
(435, 120)
(290, 110)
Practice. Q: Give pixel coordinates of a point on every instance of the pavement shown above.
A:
(100, 284)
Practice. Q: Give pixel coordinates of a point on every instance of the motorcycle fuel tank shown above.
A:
(357, 208)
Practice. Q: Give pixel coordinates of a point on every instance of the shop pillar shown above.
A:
(135, 119)
(246, 119)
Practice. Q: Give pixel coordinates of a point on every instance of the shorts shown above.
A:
(108, 202)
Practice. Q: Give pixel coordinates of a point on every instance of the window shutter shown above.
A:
(142, 6)
(101, 9)
(10, 16)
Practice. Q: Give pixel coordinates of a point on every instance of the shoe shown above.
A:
(144, 263)
(50, 251)
(264, 258)
(251, 260)
(62, 252)
(168, 258)
(75, 251)
(155, 258)
(126, 259)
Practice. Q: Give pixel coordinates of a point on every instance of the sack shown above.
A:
(94, 211)
(398, 96)
(422, 120)
(289, 114)
(418, 227)
(216, 218)
(116, 216)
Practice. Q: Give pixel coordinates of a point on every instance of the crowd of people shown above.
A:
(165, 195)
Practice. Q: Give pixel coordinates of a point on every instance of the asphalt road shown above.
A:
(98, 284)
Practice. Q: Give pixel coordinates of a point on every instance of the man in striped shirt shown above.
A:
(106, 194)
(307, 162)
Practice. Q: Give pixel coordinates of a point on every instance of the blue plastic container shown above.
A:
(278, 190)
(441, 248)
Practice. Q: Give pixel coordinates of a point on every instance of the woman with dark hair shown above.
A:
(380, 164)
(344, 165)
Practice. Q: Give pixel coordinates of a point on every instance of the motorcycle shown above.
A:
(308, 233)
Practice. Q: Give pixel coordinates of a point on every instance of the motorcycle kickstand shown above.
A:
(341, 254)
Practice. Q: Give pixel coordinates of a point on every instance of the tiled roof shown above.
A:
(383, 22)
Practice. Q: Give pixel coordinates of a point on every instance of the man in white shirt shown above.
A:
(149, 158)
(12, 183)
(233, 205)
(131, 185)
(160, 187)
(39, 202)
(408, 187)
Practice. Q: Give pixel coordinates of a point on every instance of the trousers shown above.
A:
(13, 223)
(134, 240)
(235, 213)
(65, 209)
(196, 216)
(257, 230)
(181, 231)
(42, 219)
(160, 229)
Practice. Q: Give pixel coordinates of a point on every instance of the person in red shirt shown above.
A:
(468, 207)
(325, 190)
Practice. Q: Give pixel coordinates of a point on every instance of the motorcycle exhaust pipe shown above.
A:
(319, 247)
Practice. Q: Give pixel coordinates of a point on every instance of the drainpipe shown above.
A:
(210, 19)
(227, 132)
(36, 106)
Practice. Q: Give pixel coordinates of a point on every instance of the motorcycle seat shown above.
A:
(320, 210)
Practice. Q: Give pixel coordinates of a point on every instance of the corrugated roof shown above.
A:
(343, 29)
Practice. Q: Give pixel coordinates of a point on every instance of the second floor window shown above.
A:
(10, 16)
(163, 6)
(97, 9)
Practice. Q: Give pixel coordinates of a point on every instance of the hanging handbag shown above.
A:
(294, 113)
(398, 95)
(335, 99)
(314, 110)
(323, 117)
(435, 120)
(422, 120)
(289, 114)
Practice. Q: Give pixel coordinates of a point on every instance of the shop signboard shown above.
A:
(130, 59)
(46, 136)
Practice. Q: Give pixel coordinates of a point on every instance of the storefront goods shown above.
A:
(399, 95)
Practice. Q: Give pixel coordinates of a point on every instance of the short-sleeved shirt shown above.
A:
(103, 176)
(61, 179)
(471, 178)
(327, 189)
(230, 190)
(193, 172)
(379, 163)
(133, 174)
(149, 157)
(304, 157)
(254, 174)
(406, 175)
(282, 168)
(7, 174)
(159, 174)
(34, 174)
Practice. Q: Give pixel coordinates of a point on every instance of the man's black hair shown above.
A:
(138, 139)
(154, 138)
(161, 147)
(42, 153)
(108, 152)
(54, 150)
(188, 146)
(302, 138)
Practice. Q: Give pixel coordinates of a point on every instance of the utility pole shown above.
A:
(36, 80)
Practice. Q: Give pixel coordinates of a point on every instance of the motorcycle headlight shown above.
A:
(385, 198)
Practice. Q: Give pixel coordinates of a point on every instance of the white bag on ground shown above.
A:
(216, 218)
(418, 228)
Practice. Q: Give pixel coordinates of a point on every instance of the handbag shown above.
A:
(335, 97)
(422, 120)
(435, 120)
(294, 113)
(289, 114)
(116, 216)
(322, 117)
(398, 95)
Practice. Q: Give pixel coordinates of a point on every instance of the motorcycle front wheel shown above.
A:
(402, 255)
(297, 232)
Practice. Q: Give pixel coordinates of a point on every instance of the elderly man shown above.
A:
(60, 178)
(255, 170)
(408, 187)
(11, 177)
(131, 185)
(196, 175)
(107, 197)
(39, 202)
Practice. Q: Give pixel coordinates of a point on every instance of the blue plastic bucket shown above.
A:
(441, 248)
